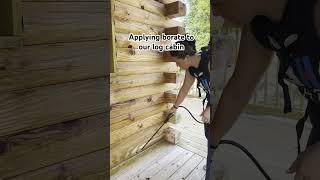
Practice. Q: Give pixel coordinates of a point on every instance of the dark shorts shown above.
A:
(314, 116)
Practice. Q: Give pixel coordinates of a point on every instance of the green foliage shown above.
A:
(198, 21)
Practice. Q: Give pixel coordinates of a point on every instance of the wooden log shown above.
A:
(127, 26)
(127, 12)
(170, 78)
(33, 108)
(33, 66)
(175, 30)
(129, 55)
(129, 68)
(137, 126)
(136, 116)
(122, 82)
(147, 5)
(64, 22)
(170, 96)
(111, 36)
(132, 145)
(122, 41)
(127, 107)
(41, 147)
(176, 9)
(87, 167)
(172, 135)
(10, 18)
(123, 95)
(8, 42)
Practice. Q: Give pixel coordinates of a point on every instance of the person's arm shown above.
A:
(252, 62)
(187, 83)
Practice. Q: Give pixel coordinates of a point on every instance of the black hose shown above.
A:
(239, 146)
(253, 159)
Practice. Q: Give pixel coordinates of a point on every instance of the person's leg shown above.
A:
(210, 163)
(314, 115)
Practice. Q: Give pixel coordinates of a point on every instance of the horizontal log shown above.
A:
(176, 9)
(170, 77)
(127, 131)
(64, 22)
(127, 68)
(33, 108)
(127, 12)
(41, 65)
(172, 135)
(127, 26)
(170, 96)
(136, 116)
(8, 42)
(132, 145)
(130, 55)
(127, 107)
(122, 41)
(87, 167)
(28, 150)
(138, 92)
(121, 82)
(175, 30)
(148, 5)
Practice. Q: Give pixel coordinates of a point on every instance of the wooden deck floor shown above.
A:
(270, 139)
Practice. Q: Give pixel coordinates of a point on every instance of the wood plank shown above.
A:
(128, 26)
(187, 168)
(120, 134)
(32, 108)
(136, 116)
(164, 162)
(64, 22)
(33, 66)
(186, 144)
(139, 162)
(132, 145)
(129, 55)
(128, 68)
(87, 167)
(175, 163)
(127, 107)
(198, 172)
(42, 147)
(147, 5)
(123, 95)
(125, 11)
(122, 82)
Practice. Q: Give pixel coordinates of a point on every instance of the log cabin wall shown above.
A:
(53, 110)
(142, 80)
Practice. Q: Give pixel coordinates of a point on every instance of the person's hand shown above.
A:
(206, 115)
(306, 166)
(172, 110)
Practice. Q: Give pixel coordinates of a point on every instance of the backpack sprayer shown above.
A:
(228, 142)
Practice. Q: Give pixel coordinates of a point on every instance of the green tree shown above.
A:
(198, 21)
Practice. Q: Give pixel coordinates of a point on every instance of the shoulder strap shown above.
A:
(204, 62)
